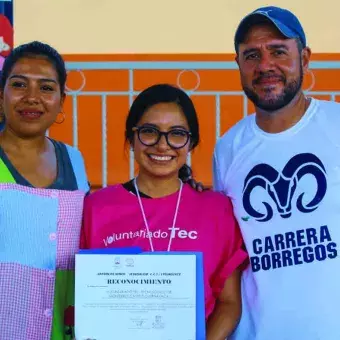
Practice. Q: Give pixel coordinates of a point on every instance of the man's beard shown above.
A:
(276, 102)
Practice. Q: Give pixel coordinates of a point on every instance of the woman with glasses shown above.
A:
(157, 212)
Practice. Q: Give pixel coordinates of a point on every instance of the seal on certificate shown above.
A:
(158, 324)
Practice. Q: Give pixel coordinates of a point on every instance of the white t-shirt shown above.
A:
(285, 190)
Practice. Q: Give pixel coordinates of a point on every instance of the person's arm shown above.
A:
(232, 259)
(87, 223)
(227, 311)
(217, 180)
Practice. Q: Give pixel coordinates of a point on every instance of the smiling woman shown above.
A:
(42, 186)
(162, 110)
(157, 211)
(24, 113)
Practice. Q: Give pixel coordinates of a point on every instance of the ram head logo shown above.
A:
(281, 187)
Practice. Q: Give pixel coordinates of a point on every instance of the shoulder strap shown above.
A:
(5, 174)
(78, 168)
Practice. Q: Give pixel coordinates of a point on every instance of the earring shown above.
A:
(62, 119)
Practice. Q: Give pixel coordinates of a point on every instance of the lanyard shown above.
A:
(146, 222)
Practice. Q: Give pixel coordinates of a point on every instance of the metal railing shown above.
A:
(182, 67)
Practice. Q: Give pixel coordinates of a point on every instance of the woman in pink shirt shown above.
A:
(157, 212)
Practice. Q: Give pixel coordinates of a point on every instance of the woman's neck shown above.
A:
(11, 141)
(157, 187)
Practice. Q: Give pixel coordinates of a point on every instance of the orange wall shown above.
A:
(89, 109)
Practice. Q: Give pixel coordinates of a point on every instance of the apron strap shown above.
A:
(78, 168)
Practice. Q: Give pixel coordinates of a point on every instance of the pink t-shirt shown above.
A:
(2, 60)
(205, 223)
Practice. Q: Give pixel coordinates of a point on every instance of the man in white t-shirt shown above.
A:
(281, 168)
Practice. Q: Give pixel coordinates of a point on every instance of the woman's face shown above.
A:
(162, 160)
(31, 98)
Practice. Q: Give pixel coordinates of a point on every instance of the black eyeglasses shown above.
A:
(150, 136)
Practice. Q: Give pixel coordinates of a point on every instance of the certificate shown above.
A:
(136, 296)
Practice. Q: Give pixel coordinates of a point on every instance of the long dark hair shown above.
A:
(164, 93)
(34, 49)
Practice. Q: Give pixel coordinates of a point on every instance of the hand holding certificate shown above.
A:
(144, 296)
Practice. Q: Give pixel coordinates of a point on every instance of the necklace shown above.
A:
(146, 222)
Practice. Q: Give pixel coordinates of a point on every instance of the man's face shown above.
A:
(271, 67)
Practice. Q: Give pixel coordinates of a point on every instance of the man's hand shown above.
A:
(198, 186)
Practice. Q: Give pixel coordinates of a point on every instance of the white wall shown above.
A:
(159, 26)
